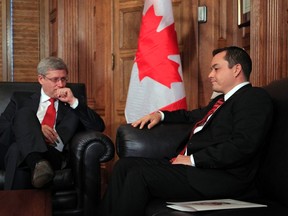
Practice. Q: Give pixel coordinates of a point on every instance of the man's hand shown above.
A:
(65, 95)
(181, 159)
(152, 119)
(50, 134)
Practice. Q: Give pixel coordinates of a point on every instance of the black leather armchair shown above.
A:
(165, 139)
(77, 189)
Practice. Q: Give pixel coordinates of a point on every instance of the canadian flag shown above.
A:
(156, 81)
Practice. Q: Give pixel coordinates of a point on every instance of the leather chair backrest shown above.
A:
(273, 174)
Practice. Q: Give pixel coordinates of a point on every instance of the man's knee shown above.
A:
(126, 165)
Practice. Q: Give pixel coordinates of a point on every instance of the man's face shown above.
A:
(222, 78)
(53, 80)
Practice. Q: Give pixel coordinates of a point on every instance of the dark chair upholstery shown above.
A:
(165, 139)
(75, 190)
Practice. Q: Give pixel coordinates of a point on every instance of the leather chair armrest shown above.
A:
(104, 146)
(89, 149)
(162, 141)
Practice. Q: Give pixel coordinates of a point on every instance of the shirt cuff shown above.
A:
(162, 115)
(192, 160)
(75, 104)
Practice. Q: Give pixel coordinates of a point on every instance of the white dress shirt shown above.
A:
(43, 106)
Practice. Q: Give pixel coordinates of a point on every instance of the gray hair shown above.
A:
(51, 63)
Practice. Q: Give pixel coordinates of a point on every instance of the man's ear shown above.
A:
(237, 70)
(40, 79)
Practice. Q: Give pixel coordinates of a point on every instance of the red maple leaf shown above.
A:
(154, 48)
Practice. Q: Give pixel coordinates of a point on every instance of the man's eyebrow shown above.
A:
(214, 65)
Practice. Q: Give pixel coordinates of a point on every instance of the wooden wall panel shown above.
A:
(273, 41)
(209, 37)
(269, 40)
(284, 35)
(6, 41)
(53, 28)
(79, 36)
(68, 42)
(44, 28)
(1, 42)
(95, 66)
(86, 48)
(126, 27)
(26, 39)
(186, 23)
(63, 18)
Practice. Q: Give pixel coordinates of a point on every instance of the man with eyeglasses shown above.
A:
(40, 143)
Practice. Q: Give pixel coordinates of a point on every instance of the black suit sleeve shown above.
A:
(236, 134)
(184, 116)
(89, 118)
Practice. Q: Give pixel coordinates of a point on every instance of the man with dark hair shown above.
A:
(222, 155)
(42, 123)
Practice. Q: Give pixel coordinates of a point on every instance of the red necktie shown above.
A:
(218, 103)
(50, 115)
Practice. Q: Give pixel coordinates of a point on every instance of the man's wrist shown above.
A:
(74, 104)
(162, 114)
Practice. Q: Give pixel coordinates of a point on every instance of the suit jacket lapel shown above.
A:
(239, 91)
(229, 99)
(62, 107)
(35, 100)
(62, 110)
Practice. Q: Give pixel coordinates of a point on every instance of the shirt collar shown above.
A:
(44, 97)
(236, 88)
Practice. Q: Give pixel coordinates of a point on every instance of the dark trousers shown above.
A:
(135, 180)
(28, 138)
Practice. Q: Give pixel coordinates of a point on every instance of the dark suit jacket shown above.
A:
(228, 147)
(68, 119)
(67, 123)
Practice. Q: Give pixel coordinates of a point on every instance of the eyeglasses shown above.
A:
(56, 79)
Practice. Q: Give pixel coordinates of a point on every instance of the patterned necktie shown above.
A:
(50, 115)
(218, 103)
